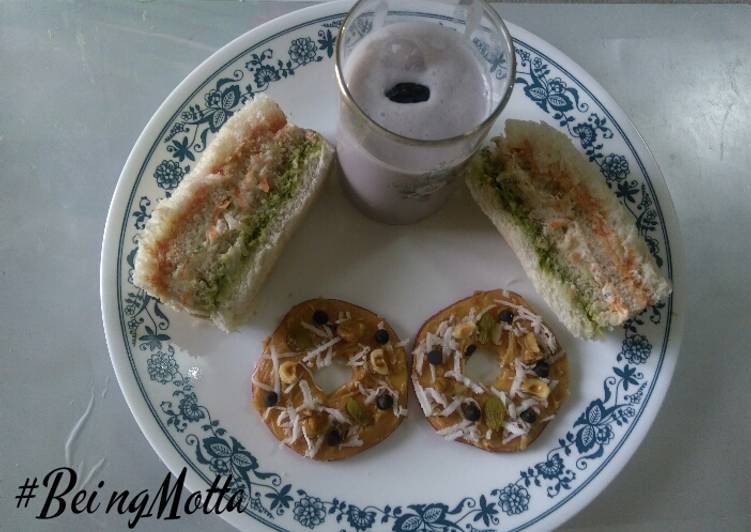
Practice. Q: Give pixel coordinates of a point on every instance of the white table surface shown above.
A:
(78, 81)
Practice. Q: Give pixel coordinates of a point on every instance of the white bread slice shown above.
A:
(236, 310)
(168, 219)
(553, 151)
(557, 294)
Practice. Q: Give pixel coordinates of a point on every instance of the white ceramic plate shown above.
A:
(188, 384)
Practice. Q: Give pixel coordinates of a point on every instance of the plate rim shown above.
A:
(147, 419)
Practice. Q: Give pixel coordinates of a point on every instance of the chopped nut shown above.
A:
(289, 372)
(510, 353)
(530, 342)
(350, 331)
(356, 412)
(464, 330)
(378, 362)
(530, 358)
(485, 328)
(495, 413)
(534, 386)
(532, 351)
(312, 425)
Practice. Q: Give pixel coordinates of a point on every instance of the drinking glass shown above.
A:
(400, 178)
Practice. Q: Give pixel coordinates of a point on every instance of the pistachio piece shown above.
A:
(464, 330)
(485, 328)
(356, 411)
(378, 362)
(496, 334)
(534, 386)
(350, 331)
(289, 372)
(495, 413)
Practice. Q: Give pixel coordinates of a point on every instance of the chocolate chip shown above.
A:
(506, 316)
(529, 415)
(435, 357)
(542, 369)
(471, 348)
(320, 317)
(381, 336)
(333, 438)
(271, 399)
(471, 411)
(408, 93)
(384, 401)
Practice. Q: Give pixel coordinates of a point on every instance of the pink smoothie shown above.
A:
(390, 179)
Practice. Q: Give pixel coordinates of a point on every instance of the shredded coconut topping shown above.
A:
(465, 380)
(540, 329)
(270, 409)
(307, 396)
(261, 385)
(457, 362)
(437, 396)
(464, 429)
(320, 349)
(422, 398)
(353, 440)
(464, 423)
(515, 429)
(334, 413)
(313, 446)
(452, 406)
(485, 310)
(342, 317)
(358, 359)
(519, 374)
(316, 330)
(275, 365)
(419, 358)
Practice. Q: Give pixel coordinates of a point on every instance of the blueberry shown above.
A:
(408, 93)
(271, 399)
(435, 357)
(381, 336)
(384, 401)
(471, 348)
(320, 317)
(471, 411)
(333, 438)
(542, 369)
(506, 316)
(529, 415)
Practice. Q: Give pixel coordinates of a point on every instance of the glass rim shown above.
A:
(486, 123)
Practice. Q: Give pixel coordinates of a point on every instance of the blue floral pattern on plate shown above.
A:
(147, 326)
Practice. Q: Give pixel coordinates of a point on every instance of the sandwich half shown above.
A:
(576, 242)
(209, 247)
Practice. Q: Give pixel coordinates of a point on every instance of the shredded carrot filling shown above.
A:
(559, 184)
